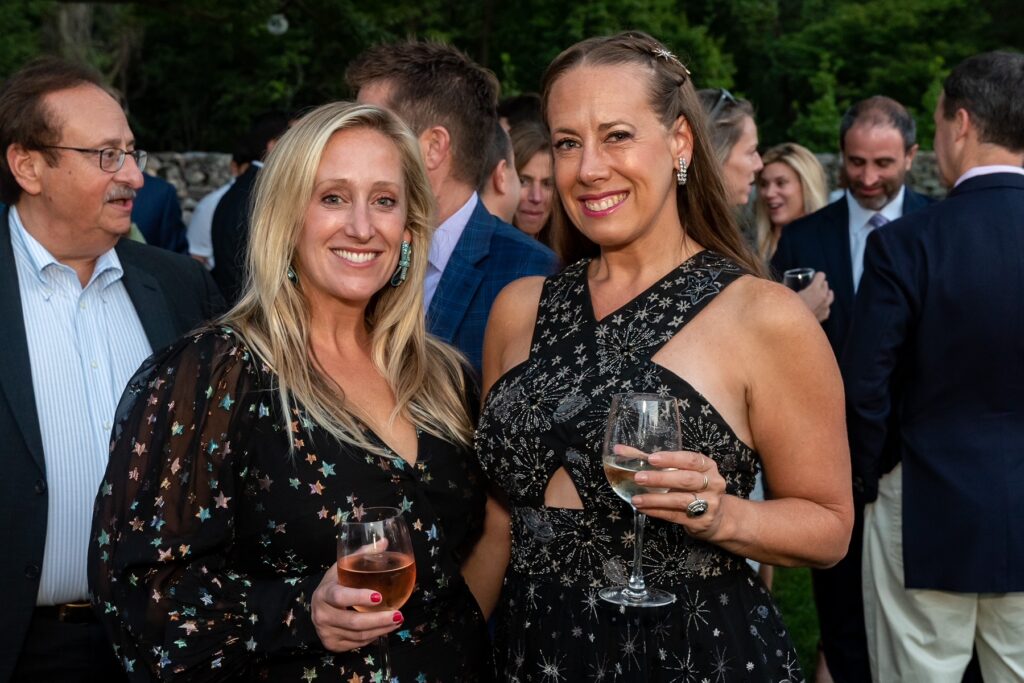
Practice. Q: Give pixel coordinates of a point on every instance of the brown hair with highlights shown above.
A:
(703, 207)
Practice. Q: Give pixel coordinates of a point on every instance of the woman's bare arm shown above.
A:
(794, 399)
(506, 344)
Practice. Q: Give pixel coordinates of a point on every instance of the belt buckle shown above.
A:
(69, 611)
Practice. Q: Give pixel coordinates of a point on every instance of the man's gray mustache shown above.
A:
(121, 192)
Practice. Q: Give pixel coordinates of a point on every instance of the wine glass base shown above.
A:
(652, 597)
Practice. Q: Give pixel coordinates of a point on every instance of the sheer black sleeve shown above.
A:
(164, 521)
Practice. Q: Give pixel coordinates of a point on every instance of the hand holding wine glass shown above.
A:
(357, 601)
(638, 425)
(798, 278)
(685, 488)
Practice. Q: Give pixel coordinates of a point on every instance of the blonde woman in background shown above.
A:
(791, 185)
(240, 448)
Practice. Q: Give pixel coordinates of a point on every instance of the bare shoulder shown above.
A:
(516, 303)
(780, 343)
(770, 312)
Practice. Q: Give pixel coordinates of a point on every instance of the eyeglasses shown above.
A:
(724, 97)
(111, 158)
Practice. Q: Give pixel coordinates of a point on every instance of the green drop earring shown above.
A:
(404, 258)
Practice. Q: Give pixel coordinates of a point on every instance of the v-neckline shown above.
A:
(588, 297)
(387, 447)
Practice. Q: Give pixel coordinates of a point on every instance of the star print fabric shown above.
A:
(209, 538)
(551, 412)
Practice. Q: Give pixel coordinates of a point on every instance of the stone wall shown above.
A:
(195, 174)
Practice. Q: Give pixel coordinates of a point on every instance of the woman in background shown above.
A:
(734, 139)
(791, 185)
(531, 144)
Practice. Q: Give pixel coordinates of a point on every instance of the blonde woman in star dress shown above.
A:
(240, 449)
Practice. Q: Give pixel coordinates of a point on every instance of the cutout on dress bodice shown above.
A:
(560, 492)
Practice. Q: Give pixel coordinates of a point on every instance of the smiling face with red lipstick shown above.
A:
(614, 160)
(355, 221)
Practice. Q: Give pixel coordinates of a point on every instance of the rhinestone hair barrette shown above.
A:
(663, 53)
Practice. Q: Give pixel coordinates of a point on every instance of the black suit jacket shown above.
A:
(172, 294)
(936, 355)
(229, 234)
(821, 241)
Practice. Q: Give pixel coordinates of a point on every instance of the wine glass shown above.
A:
(375, 552)
(797, 278)
(638, 424)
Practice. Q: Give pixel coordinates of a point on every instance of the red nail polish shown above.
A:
(398, 618)
(376, 597)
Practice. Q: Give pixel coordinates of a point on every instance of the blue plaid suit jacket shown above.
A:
(489, 255)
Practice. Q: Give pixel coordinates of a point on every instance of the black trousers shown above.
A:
(57, 651)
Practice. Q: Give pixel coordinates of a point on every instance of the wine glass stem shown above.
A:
(385, 658)
(637, 589)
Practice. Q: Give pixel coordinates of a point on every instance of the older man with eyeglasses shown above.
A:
(80, 310)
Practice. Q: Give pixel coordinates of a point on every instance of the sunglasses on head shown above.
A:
(724, 97)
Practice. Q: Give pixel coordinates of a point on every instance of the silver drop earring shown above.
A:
(681, 173)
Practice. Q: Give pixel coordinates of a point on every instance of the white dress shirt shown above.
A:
(442, 244)
(986, 170)
(860, 228)
(84, 344)
(200, 226)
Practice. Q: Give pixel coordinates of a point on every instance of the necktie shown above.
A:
(877, 221)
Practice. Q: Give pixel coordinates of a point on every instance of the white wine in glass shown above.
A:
(638, 425)
(375, 553)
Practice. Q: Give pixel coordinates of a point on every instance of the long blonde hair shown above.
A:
(704, 210)
(273, 315)
(812, 184)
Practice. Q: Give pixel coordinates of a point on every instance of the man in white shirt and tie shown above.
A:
(80, 309)
(877, 139)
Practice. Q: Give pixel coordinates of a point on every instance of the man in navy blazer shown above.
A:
(934, 364)
(877, 138)
(450, 103)
(81, 309)
(157, 213)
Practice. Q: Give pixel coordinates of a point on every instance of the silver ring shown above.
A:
(697, 508)
(705, 486)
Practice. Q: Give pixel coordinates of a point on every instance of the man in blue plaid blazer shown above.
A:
(489, 255)
(450, 103)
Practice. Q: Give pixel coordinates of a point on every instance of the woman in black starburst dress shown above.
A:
(668, 303)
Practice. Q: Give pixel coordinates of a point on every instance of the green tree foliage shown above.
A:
(194, 72)
(816, 122)
(22, 34)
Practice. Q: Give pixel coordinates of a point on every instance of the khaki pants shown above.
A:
(926, 636)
